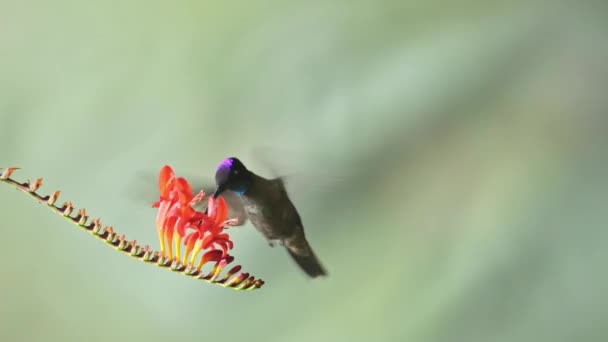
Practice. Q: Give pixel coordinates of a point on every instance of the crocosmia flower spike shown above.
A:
(177, 224)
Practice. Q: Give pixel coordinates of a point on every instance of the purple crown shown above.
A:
(226, 164)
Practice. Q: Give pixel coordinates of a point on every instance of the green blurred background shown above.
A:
(458, 154)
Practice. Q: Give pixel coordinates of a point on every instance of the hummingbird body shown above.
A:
(270, 210)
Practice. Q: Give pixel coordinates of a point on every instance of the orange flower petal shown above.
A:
(221, 211)
(165, 179)
(213, 255)
(189, 242)
(184, 191)
(211, 207)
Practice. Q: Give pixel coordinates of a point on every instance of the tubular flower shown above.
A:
(176, 222)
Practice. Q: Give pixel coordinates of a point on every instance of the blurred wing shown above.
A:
(235, 206)
(308, 176)
(144, 189)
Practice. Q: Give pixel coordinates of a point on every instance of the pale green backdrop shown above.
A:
(458, 154)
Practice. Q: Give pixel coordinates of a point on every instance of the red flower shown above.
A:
(177, 220)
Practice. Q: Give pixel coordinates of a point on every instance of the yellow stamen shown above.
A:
(169, 237)
(178, 243)
(189, 248)
(161, 240)
(197, 248)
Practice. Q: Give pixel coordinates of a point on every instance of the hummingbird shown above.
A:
(269, 208)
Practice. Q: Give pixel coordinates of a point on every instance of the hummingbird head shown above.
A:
(232, 175)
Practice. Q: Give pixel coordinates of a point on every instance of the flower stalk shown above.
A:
(232, 279)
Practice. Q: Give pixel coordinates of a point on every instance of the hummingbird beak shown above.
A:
(219, 190)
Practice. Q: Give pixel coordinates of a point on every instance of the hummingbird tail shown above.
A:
(308, 262)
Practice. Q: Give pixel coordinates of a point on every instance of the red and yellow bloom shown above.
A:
(178, 221)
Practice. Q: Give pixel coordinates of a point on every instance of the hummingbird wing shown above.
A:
(304, 175)
(144, 189)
